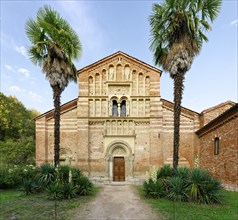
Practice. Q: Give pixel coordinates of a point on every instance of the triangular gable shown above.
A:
(122, 54)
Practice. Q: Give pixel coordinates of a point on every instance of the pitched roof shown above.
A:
(63, 108)
(185, 111)
(221, 119)
(122, 54)
(218, 106)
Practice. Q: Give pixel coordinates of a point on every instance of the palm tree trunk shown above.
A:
(56, 95)
(178, 93)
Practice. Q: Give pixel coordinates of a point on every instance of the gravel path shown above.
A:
(116, 202)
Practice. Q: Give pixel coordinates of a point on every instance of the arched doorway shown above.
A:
(119, 161)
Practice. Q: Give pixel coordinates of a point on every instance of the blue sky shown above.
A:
(105, 27)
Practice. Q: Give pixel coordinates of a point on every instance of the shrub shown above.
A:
(165, 172)
(63, 173)
(211, 191)
(46, 175)
(28, 186)
(76, 173)
(69, 191)
(55, 191)
(182, 172)
(10, 176)
(154, 189)
(184, 184)
(177, 189)
(83, 185)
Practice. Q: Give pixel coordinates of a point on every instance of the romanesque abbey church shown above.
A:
(119, 126)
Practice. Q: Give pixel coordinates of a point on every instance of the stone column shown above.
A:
(119, 109)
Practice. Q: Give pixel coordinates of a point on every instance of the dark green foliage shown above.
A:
(28, 186)
(63, 173)
(154, 189)
(75, 174)
(8, 178)
(84, 185)
(12, 176)
(20, 152)
(183, 184)
(182, 172)
(202, 187)
(15, 120)
(55, 191)
(177, 189)
(59, 183)
(165, 172)
(69, 191)
(46, 175)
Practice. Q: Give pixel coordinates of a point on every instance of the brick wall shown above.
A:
(224, 165)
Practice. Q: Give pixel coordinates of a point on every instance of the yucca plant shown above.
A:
(76, 173)
(63, 173)
(28, 186)
(55, 191)
(164, 173)
(203, 188)
(69, 191)
(84, 185)
(46, 176)
(182, 172)
(154, 189)
(211, 192)
(177, 189)
(195, 183)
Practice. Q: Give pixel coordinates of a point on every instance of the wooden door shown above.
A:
(119, 169)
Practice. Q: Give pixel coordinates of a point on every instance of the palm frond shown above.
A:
(180, 22)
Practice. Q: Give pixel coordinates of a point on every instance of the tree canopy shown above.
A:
(17, 130)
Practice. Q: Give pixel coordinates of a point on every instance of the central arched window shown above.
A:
(123, 108)
(114, 108)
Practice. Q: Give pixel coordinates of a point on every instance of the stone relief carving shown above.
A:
(119, 90)
(119, 151)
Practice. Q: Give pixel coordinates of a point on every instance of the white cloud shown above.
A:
(234, 23)
(22, 50)
(24, 71)
(35, 97)
(31, 96)
(8, 67)
(16, 89)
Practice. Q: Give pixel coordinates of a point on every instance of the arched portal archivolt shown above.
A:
(119, 149)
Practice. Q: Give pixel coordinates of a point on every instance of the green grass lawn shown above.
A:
(14, 204)
(168, 210)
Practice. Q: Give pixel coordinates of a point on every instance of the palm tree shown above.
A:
(177, 28)
(54, 45)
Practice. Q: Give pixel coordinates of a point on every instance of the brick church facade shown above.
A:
(119, 126)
